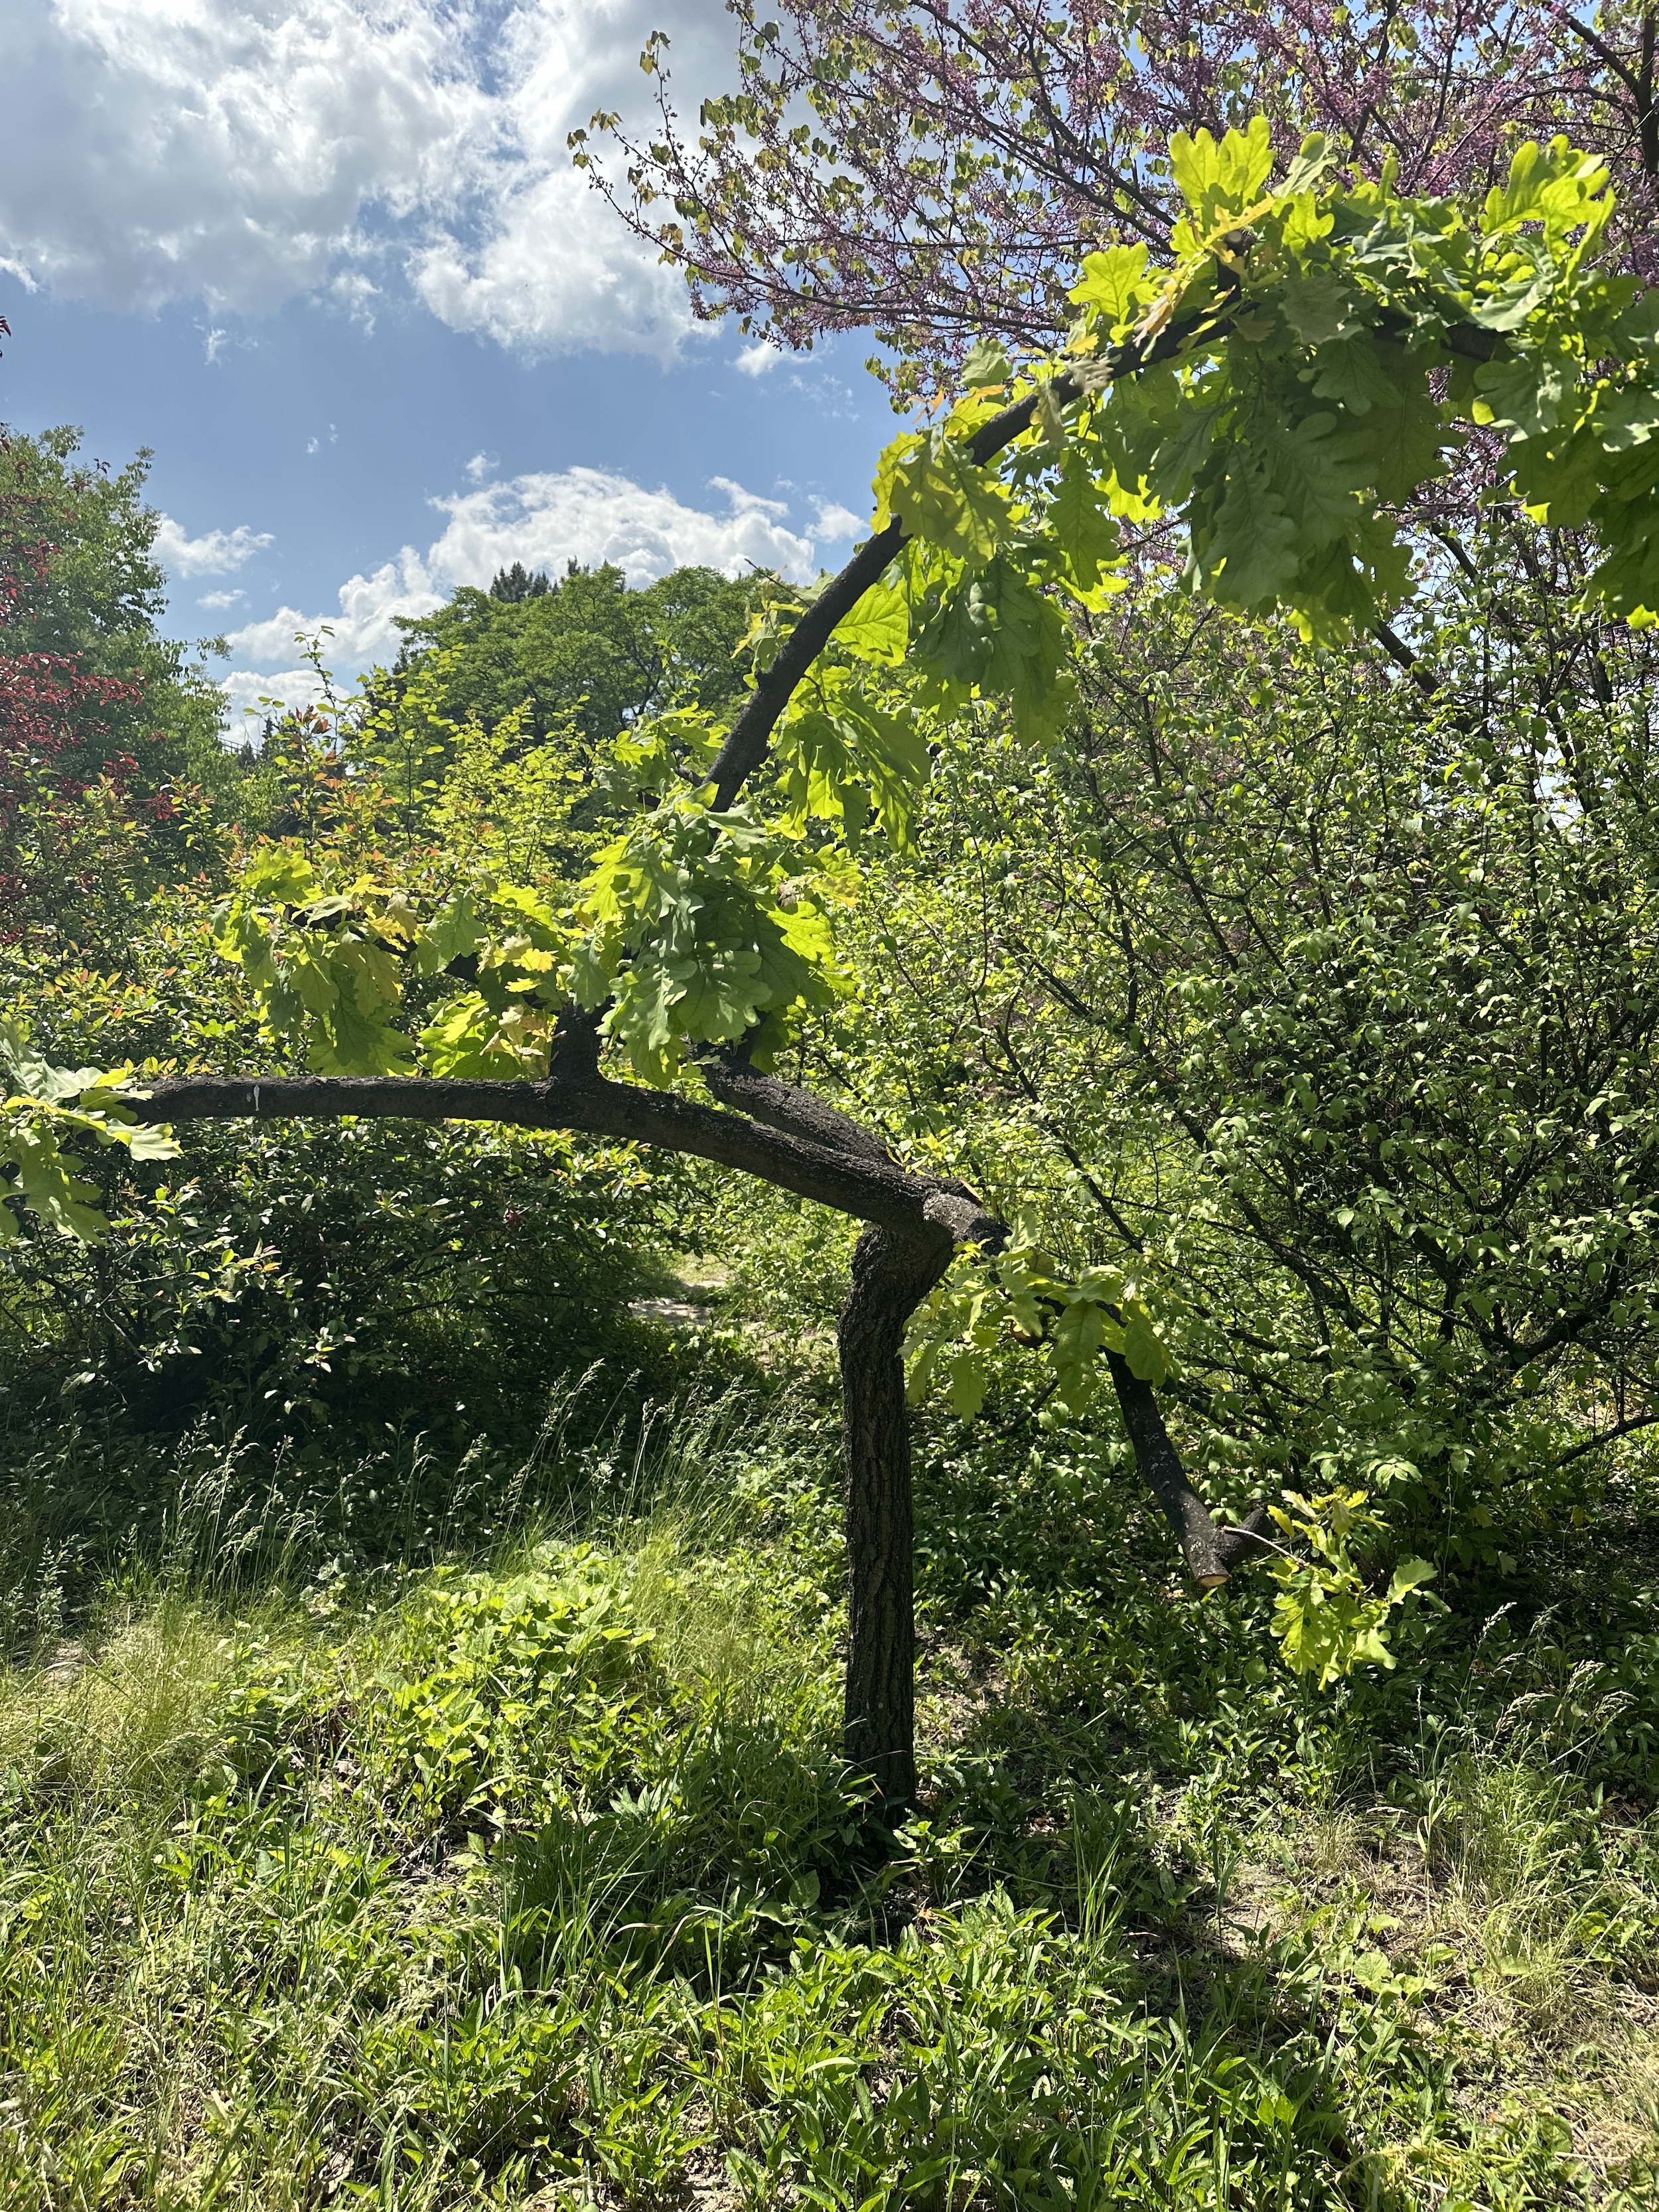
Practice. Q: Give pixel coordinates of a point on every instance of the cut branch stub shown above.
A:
(1212, 1552)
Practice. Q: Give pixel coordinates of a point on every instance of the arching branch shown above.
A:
(873, 1189)
(746, 743)
(804, 1145)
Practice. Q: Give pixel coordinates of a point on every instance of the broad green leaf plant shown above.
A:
(1325, 1614)
(46, 1109)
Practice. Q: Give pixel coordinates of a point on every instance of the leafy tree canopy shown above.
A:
(584, 651)
(105, 729)
(935, 169)
(85, 586)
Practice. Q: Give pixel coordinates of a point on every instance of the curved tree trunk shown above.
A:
(892, 1275)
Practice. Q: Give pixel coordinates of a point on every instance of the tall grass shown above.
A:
(514, 1862)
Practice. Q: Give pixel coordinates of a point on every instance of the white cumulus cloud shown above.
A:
(223, 149)
(556, 273)
(360, 632)
(554, 268)
(215, 553)
(587, 515)
(836, 523)
(241, 153)
(591, 515)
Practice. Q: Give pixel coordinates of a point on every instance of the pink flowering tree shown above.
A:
(935, 170)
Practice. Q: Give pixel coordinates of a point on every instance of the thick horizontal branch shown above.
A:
(786, 1106)
(867, 1187)
(1607, 1436)
(921, 1209)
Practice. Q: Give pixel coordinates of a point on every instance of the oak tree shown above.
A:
(1281, 384)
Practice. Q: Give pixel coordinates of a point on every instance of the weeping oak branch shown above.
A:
(787, 1137)
(916, 1223)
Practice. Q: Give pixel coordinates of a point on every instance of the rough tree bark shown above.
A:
(1212, 1552)
(892, 1275)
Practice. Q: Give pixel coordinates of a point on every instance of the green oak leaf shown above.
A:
(1317, 476)
(942, 496)
(1080, 1330)
(1145, 1350)
(1113, 284)
(1217, 181)
(1318, 307)
(985, 365)
(878, 628)
(1523, 395)
(1182, 454)
(1252, 549)
(1081, 518)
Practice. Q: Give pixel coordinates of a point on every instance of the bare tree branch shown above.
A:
(869, 1188)
(786, 1106)
(1608, 1436)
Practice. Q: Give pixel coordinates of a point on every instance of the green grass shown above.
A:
(526, 1871)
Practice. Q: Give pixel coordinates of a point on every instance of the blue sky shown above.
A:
(327, 259)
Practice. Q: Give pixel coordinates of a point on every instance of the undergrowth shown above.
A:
(508, 1857)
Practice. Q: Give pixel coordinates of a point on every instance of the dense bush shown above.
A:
(354, 1272)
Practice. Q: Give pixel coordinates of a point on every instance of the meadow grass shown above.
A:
(525, 1870)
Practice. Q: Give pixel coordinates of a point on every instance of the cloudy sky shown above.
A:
(328, 259)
